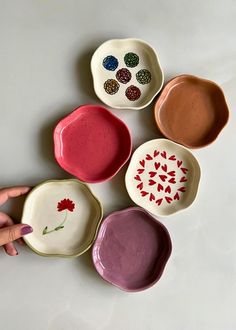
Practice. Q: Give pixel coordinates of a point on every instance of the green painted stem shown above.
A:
(46, 231)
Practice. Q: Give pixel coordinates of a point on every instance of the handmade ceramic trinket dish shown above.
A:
(162, 177)
(92, 144)
(126, 73)
(191, 111)
(65, 216)
(131, 249)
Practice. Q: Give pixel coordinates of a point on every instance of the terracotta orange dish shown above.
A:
(191, 111)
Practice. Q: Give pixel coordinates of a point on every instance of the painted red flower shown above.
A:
(65, 204)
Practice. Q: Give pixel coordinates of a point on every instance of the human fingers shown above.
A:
(11, 233)
(10, 249)
(6, 193)
(5, 220)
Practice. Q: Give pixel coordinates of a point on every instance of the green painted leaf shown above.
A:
(58, 228)
(45, 230)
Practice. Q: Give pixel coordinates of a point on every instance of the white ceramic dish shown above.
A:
(65, 216)
(126, 73)
(162, 177)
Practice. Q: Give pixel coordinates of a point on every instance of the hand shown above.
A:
(8, 230)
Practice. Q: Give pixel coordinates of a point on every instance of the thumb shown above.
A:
(11, 233)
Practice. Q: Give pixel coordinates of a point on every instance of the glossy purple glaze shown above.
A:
(131, 249)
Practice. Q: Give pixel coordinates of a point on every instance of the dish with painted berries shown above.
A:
(162, 177)
(126, 73)
(65, 216)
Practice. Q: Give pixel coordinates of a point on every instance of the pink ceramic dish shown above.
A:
(131, 249)
(92, 144)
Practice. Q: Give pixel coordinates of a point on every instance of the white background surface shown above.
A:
(45, 50)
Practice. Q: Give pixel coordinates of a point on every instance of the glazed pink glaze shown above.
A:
(91, 143)
(131, 249)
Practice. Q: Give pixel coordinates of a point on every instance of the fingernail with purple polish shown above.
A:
(26, 230)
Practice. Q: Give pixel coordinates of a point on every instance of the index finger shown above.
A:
(7, 193)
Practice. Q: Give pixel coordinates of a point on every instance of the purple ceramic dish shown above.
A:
(131, 249)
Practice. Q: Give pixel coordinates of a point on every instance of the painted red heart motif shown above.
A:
(182, 189)
(152, 174)
(172, 180)
(137, 177)
(142, 163)
(151, 197)
(171, 173)
(172, 157)
(144, 193)
(149, 157)
(179, 163)
(140, 170)
(159, 201)
(184, 170)
(163, 154)
(183, 179)
(163, 177)
(152, 182)
(156, 153)
(176, 196)
(159, 187)
(164, 168)
(140, 186)
(157, 165)
(168, 199)
(168, 190)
